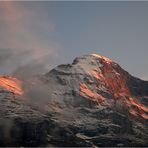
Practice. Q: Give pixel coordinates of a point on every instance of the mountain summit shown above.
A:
(103, 82)
(91, 102)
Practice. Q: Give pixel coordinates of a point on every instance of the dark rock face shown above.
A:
(138, 87)
(91, 102)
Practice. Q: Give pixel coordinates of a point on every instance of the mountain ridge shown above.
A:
(91, 102)
(110, 75)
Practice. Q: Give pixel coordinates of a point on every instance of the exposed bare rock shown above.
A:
(91, 102)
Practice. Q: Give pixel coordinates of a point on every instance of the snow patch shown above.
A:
(107, 60)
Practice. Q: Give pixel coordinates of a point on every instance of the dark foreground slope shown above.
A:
(91, 102)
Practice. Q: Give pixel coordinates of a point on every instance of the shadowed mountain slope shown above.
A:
(91, 102)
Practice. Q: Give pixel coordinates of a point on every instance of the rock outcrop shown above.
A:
(91, 102)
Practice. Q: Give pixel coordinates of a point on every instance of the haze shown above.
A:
(37, 36)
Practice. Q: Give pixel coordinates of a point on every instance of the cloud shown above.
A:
(22, 27)
(144, 77)
(25, 62)
(36, 93)
(25, 36)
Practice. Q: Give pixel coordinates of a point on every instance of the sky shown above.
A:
(37, 36)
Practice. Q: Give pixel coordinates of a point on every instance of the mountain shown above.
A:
(91, 102)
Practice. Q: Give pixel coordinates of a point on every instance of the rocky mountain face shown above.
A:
(91, 102)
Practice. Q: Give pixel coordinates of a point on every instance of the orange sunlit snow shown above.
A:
(107, 60)
(86, 92)
(115, 81)
(11, 84)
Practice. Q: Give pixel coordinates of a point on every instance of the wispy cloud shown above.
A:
(24, 35)
(144, 77)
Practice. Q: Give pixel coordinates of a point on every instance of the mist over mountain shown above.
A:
(91, 102)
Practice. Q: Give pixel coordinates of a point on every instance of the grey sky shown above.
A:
(52, 33)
